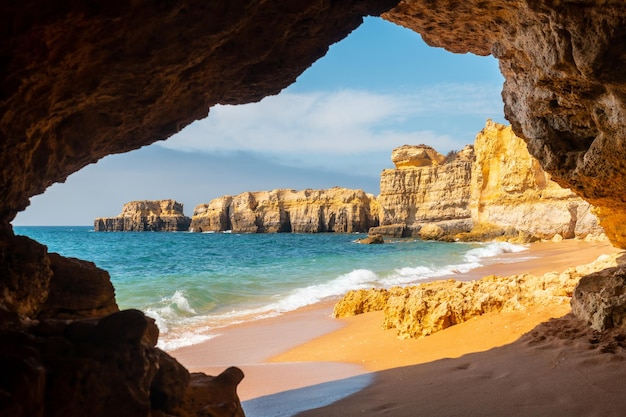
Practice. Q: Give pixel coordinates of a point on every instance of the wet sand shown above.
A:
(305, 359)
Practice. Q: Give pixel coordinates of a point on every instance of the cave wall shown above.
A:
(84, 79)
(564, 63)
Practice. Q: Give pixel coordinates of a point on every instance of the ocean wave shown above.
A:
(170, 310)
(474, 258)
(181, 326)
(301, 297)
(491, 250)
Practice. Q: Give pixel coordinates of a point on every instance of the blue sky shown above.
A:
(380, 88)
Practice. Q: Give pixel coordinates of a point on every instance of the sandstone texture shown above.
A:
(426, 191)
(337, 209)
(371, 240)
(416, 156)
(419, 311)
(563, 64)
(510, 189)
(82, 80)
(146, 216)
(493, 189)
(600, 299)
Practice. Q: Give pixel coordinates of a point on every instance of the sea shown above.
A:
(196, 284)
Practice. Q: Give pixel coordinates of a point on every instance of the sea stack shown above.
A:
(146, 216)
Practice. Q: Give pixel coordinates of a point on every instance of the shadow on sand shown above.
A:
(289, 403)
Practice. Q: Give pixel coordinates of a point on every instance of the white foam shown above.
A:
(301, 297)
(492, 249)
(188, 328)
(170, 310)
(184, 339)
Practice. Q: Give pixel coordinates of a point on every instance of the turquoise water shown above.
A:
(195, 283)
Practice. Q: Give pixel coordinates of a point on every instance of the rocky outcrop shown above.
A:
(425, 191)
(419, 311)
(408, 156)
(78, 289)
(371, 240)
(510, 189)
(337, 209)
(146, 216)
(67, 349)
(493, 189)
(563, 66)
(600, 299)
(108, 366)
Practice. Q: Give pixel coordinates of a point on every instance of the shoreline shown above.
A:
(308, 348)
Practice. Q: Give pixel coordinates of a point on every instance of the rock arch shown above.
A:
(81, 80)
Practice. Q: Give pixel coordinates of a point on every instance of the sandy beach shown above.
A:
(493, 365)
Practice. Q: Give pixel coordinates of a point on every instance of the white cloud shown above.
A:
(339, 122)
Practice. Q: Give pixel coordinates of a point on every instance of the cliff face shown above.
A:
(493, 188)
(423, 190)
(144, 216)
(509, 188)
(563, 92)
(337, 209)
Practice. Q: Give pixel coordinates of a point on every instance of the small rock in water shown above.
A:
(371, 240)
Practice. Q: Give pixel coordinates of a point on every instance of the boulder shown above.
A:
(416, 156)
(371, 240)
(78, 289)
(600, 299)
(431, 232)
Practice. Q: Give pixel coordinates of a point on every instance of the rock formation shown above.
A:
(600, 299)
(67, 349)
(371, 240)
(510, 189)
(337, 209)
(146, 216)
(82, 80)
(493, 188)
(419, 311)
(425, 191)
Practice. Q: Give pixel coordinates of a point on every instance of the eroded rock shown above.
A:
(563, 64)
(146, 216)
(78, 289)
(81, 80)
(600, 299)
(371, 240)
(336, 209)
(103, 367)
(493, 189)
(419, 311)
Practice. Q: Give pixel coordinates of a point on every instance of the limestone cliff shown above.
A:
(494, 188)
(510, 189)
(424, 190)
(146, 216)
(425, 309)
(337, 209)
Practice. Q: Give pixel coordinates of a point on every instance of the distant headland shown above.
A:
(492, 189)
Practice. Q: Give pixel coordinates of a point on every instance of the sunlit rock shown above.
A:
(146, 216)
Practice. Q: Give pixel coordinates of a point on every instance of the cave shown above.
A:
(85, 79)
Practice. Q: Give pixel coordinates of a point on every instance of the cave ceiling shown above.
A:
(85, 79)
